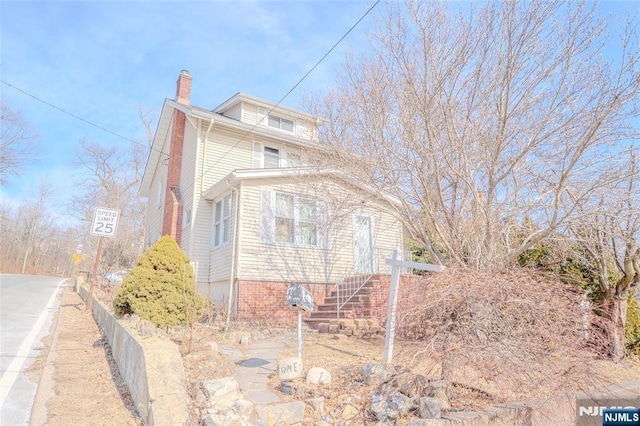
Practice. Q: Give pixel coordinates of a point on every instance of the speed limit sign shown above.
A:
(105, 222)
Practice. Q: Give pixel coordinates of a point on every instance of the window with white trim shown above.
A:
(186, 217)
(222, 221)
(290, 219)
(280, 123)
(271, 157)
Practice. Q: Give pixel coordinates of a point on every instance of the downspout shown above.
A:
(234, 243)
(204, 156)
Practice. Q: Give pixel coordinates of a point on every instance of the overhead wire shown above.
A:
(104, 129)
(248, 132)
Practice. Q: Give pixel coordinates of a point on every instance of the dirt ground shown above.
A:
(81, 385)
(79, 382)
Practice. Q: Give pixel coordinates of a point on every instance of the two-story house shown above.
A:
(237, 188)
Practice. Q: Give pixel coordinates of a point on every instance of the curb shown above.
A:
(44, 390)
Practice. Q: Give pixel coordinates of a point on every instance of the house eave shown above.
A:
(233, 179)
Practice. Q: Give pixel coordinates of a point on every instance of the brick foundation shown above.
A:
(266, 301)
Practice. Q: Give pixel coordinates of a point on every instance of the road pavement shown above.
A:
(27, 306)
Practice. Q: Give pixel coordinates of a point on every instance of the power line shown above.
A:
(285, 96)
(77, 117)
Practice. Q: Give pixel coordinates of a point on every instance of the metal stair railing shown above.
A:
(347, 288)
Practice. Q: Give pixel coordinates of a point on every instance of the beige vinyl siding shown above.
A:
(250, 114)
(216, 292)
(282, 262)
(235, 112)
(187, 174)
(225, 152)
(155, 210)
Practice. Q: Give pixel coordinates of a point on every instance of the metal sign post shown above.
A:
(396, 264)
(301, 298)
(105, 224)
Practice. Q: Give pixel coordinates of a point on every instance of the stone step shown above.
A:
(332, 306)
(365, 291)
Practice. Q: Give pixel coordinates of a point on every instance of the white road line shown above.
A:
(14, 369)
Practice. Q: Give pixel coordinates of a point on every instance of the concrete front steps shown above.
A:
(357, 307)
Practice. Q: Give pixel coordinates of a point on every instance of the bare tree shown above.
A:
(112, 181)
(608, 232)
(479, 119)
(16, 142)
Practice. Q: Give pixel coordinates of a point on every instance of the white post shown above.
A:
(300, 334)
(391, 312)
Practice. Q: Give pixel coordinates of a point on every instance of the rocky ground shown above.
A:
(81, 384)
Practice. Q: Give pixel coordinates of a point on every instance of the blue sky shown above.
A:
(100, 60)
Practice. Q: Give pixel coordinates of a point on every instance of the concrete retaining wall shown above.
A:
(151, 367)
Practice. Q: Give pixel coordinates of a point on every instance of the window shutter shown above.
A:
(266, 216)
(303, 131)
(257, 156)
(262, 116)
(324, 226)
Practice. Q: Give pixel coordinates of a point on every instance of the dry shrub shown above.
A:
(515, 334)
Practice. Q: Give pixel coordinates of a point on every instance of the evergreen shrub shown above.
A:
(632, 328)
(161, 287)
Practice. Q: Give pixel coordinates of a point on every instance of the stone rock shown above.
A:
(439, 390)
(244, 339)
(430, 408)
(323, 327)
(344, 323)
(287, 389)
(339, 336)
(317, 404)
(245, 409)
(400, 403)
(213, 346)
(289, 368)
(391, 408)
(427, 422)
(215, 388)
(334, 328)
(285, 413)
(349, 412)
(361, 323)
(221, 420)
(318, 375)
(376, 373)
(373, 323)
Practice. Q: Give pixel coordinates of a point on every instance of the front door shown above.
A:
(363, 244)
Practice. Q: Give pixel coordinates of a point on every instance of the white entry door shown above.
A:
(363, 244)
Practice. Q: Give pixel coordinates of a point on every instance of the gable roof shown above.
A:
(160, 147)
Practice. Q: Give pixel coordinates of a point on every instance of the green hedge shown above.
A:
(161, 287)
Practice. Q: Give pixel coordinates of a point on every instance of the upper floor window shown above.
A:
(280, 123)
(222, 221)
(271, 157)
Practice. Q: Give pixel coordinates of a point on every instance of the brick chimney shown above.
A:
(172, 215)
(183, 87)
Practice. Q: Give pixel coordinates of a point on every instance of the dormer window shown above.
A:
(280, 123)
